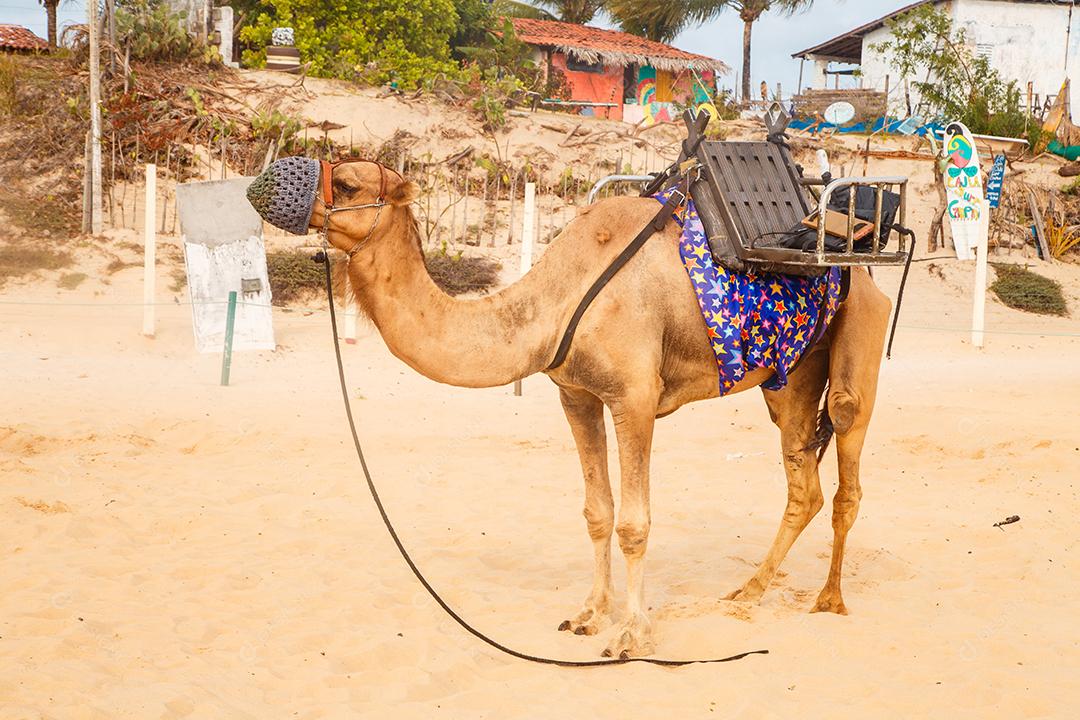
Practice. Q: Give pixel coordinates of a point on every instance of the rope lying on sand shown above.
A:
(322, 258)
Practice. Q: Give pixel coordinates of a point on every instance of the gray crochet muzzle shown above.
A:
(285, 193)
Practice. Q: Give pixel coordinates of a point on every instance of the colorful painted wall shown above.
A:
(605, 86)
(661, 94)
(657, 96)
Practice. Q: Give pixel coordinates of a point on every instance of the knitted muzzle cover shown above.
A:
(284, 194)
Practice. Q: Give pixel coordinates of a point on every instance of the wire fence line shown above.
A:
(325, 310)
(464, 200)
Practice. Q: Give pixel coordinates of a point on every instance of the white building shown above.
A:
(1029, 41)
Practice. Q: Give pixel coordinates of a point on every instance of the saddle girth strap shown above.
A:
(655, 225)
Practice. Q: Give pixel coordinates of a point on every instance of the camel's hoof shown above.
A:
(587, 622)
(747, 593)
(632, 639)
(589, 628)
(829, 603)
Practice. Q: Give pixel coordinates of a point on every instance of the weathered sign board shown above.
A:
(223, 252)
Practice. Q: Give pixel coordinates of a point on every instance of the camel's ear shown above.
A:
(404, 193)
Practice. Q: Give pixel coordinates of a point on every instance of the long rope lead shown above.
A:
(322, 257)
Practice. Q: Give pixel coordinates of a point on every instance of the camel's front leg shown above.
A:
(634, 419)
(794, 410)
(585, 413)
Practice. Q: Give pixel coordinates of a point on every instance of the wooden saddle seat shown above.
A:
(758, 213)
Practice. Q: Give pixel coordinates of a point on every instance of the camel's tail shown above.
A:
(824, 433)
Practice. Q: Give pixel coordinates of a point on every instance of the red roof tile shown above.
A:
(16, 37)
(610, 47)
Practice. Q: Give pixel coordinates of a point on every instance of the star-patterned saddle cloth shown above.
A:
(754, 320)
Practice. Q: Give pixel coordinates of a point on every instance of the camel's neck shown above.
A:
(481, 342)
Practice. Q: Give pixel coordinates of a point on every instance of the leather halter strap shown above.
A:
(328, 178)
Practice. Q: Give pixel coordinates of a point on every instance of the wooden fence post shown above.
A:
(95, 118)
(527, 243)
(149, 250)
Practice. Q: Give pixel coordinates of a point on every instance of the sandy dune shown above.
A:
(173, 549)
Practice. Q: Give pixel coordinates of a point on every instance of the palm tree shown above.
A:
(571, 11)
(662, 20)
(749, 11)
(659, 20)
(519, 9)
(50, 14)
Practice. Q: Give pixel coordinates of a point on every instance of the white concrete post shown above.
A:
(528, 230)
(529, 227)
(978, 317)
(149, 249)
(820, 78)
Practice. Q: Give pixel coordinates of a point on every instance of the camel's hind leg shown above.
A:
(634, 416)
(794, 410)
(585, 412)
(854, 361)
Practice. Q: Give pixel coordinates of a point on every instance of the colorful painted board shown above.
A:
(995, 181)
(966, 205)
(687, 89)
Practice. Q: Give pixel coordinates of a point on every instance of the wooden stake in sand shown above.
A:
(527, 234)
(95, 120)
(993, 198)
(230, 324)
(978, 317)
(149, 250)
(527, 243)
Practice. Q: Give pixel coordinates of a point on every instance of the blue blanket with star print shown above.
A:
(754, 320)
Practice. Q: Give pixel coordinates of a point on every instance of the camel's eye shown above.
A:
(344, 187)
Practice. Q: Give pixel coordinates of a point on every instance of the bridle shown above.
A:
(327, 173)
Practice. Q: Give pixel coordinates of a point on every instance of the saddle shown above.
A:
(758, 213)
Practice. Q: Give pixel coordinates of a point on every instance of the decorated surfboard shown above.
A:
(965, 200)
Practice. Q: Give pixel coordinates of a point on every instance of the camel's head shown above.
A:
(294, 193)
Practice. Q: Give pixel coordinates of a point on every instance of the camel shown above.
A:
(641, 350)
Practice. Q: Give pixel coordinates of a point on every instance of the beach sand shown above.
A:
(173, 549)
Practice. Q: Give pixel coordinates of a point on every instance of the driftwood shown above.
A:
(1070, 170)
(459, 156)
(593, 137)
(570, 134)
(1040, 228)
(556, 128)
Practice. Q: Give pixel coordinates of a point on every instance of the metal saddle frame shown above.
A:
(746, 191)
(748, 194)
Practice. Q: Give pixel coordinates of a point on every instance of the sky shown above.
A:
(776, 36)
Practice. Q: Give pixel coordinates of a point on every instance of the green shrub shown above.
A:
(293, 275)
(9, 100)
(954, 82)
(403, 41)
(1022, 289)
(457, 274)
(70, 281)
(18, 260)
(153, 31)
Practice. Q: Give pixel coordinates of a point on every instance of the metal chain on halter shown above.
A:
(328, 202)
